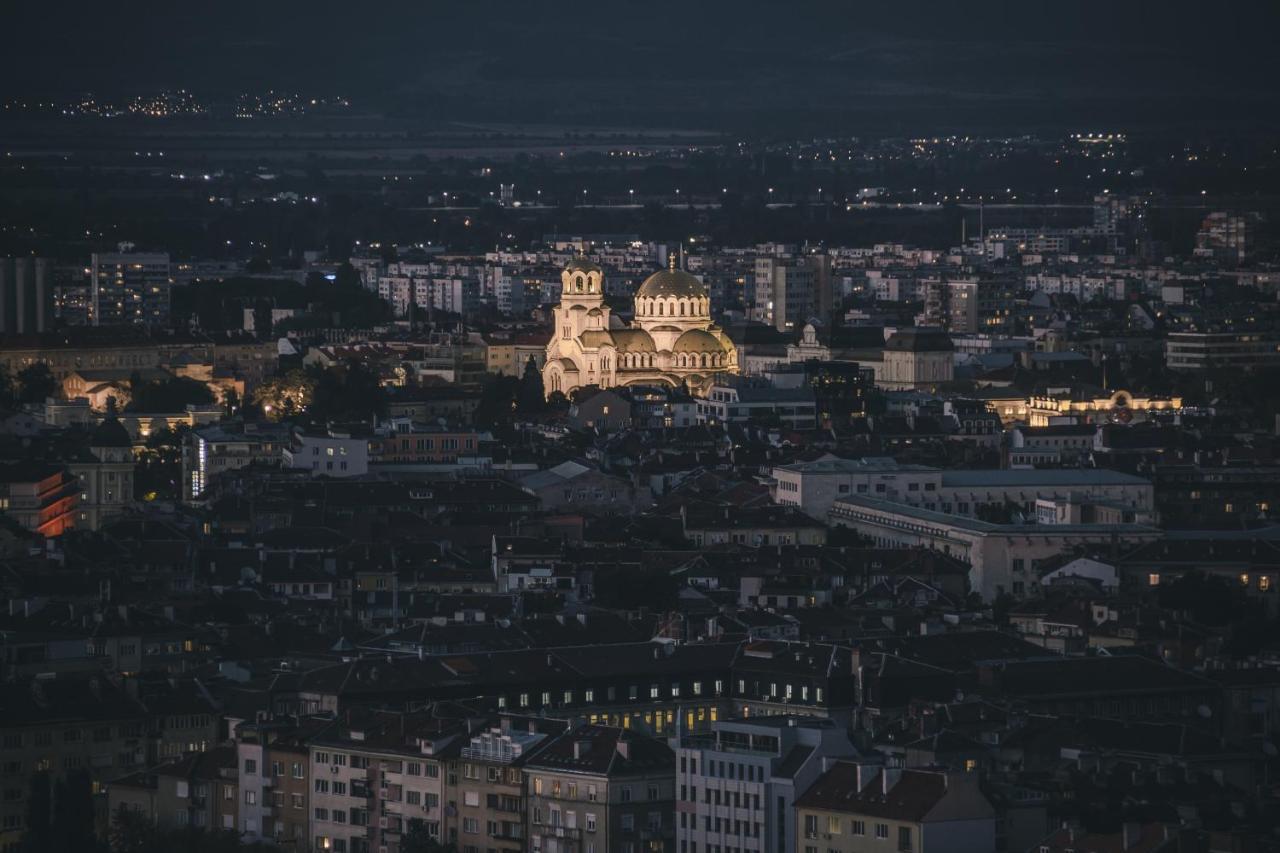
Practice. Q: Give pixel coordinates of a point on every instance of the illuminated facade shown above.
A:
(671, 341)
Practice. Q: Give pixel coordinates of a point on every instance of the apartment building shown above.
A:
(738, 782)
(373, 773)
(129, 287)
(601, 789)
(406, 441)
(485, 783)
(789, 291)
(197, 790)
(856, 808)
(59, 725)
(273, 761)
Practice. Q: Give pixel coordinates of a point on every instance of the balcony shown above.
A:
(563, 832)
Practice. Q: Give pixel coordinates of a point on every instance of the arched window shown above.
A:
(681, 309)
(660, 306)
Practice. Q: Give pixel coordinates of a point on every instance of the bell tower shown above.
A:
(581, 299)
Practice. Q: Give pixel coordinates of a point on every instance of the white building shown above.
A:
(916, 358)
(814, 486)
(1002, 558)
(737, 784)
(330, 454)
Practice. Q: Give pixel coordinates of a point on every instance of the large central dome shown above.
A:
(676, 283)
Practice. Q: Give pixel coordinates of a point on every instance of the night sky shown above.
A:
(698, 62)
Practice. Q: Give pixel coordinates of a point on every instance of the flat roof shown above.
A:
(974, 525)
(853, 466)
(1030, 477)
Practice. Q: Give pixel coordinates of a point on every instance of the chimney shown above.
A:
(624, 747)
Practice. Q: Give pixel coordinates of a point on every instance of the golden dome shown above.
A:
(677, 283)
(696, 340)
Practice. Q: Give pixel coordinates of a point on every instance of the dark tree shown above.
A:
(169, 395)
(73, 826)
(352, 392)
(1205, 599)
(131, 832)
(530, 397)
(346, 276)
(417, 840)
(39, 835)
(497, 402)
(6, 386)
(35, 383)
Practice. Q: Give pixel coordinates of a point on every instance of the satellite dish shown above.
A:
(1205, 711)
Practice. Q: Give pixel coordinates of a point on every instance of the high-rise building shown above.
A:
(970, 305)
(129, 287)
(26, 296)
(791, 290)
(1226, 238)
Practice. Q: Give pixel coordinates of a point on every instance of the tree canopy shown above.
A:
(168, 395)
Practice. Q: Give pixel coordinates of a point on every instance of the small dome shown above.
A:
(672, 283)
(633, 340)
(581, 263)
(110, 433)
(696, 340)
(920, 339)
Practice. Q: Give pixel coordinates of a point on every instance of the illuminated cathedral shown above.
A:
(671, 340)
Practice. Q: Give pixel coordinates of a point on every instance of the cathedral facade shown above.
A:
(671, 340)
